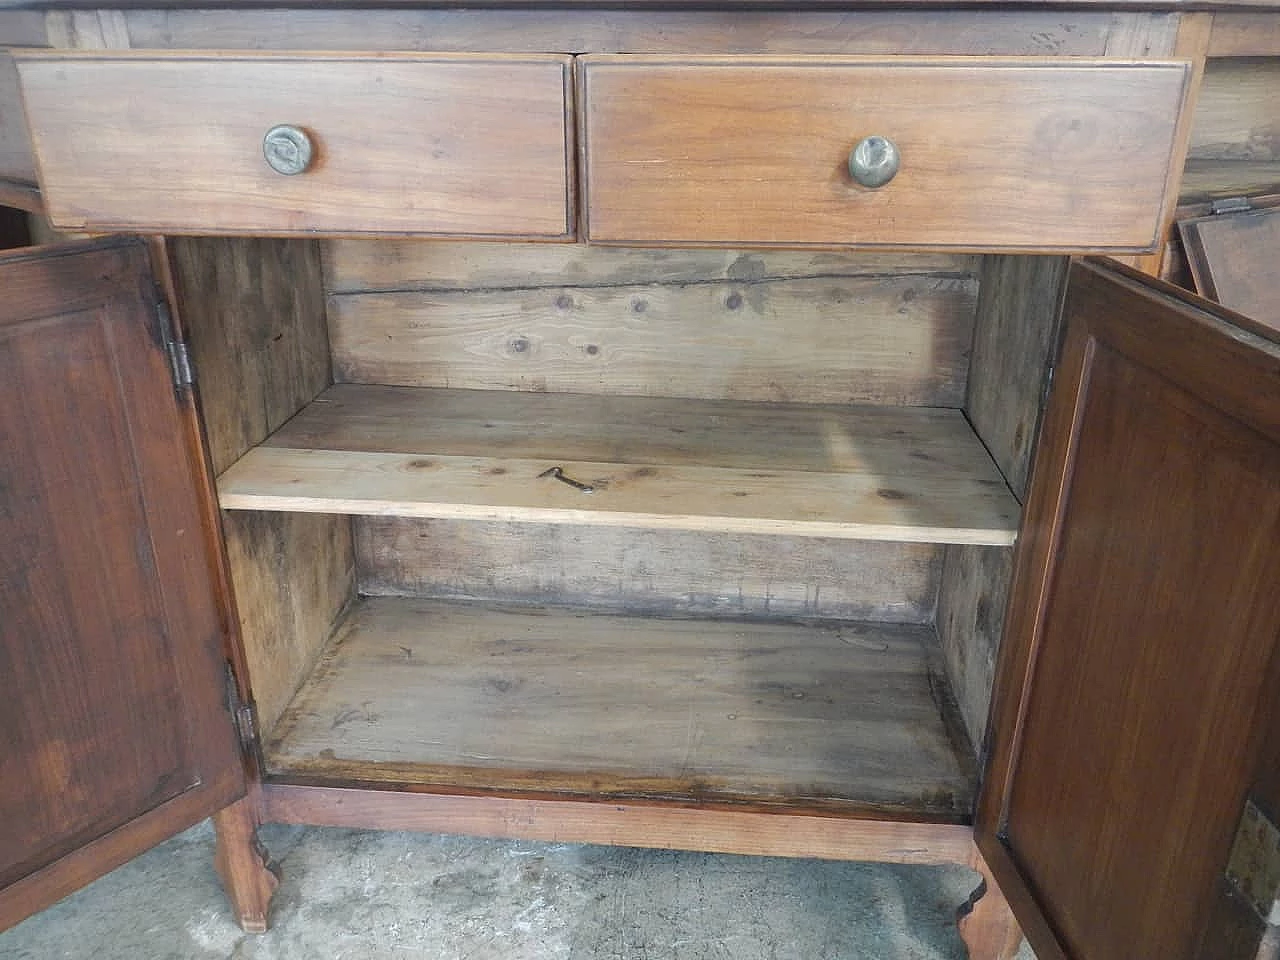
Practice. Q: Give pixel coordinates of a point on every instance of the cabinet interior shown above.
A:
(784, 586)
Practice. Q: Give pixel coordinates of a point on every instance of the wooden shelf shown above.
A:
(870, 472)
(853, 716)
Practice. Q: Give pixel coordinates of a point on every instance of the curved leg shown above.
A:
(247, 874)
(987, 925)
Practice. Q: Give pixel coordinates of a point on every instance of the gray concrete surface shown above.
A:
(357, 895)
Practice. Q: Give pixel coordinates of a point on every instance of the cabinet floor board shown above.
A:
(864, 472)
(848, 716)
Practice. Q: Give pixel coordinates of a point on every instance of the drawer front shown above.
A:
(1012, 154)
(455, 145)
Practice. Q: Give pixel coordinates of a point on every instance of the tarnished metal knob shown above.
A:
(288, 149)
(874, 162)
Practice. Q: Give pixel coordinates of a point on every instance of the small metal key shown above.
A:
(560, 475)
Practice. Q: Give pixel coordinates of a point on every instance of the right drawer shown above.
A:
(1023, 154)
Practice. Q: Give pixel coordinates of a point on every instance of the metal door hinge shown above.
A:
(1254, 865)
(1231, 205)
(179, 356)
(242, 714)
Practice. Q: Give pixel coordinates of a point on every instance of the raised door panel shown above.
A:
(113, 707)
(1133, 701)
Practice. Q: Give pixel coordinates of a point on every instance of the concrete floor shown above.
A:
(357, 895)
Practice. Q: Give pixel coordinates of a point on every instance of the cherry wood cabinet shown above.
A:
(695, 533)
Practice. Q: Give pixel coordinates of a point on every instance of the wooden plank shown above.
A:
(1243, 34)
(652, 824)
(1014, 342)
(401, 266)
(1236, 116)
(641, 572)
(673, 153)
(1205, 180)
(1233, 259)
(23, 28)
(879, 339)
(16, 160)
(879, 473)
(254, 315)
(971, 607)
(411, 144)
(415, 691)
(293, 576)
(866, 31)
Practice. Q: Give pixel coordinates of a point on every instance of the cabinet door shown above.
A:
(1134, 711)
(114, 730)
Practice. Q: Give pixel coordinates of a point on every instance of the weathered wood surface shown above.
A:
(1073, 156)
(1234, 260)
(886, 473)
(648, 572)
(814, 328)
(920, 32)
(970, 622)
(1243, 34)
(1014, 343)
(293, 576)
(16, 161)
(846, 715)
(405, 144)
(254, 317)
(1235, 140)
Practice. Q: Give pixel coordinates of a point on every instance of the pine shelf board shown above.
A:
(849, 716)
(906, 474)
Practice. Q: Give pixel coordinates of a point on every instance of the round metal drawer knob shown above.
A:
(874, 162)
(288, 149)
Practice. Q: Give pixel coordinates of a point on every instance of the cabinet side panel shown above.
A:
(1015, 336)
(293, 575)
(254, 314)
(648, 571)
(971, 604)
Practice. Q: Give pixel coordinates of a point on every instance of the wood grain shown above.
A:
(1233, 260)
(1024, 32)
(562, 702)
(880, 339)
(1056, 156)
(1236, 117)
(648, 572)
(880, 473)
(293, 576)
(1244, 34)
(16, 160)
(254, 317)
(440, 266)
(971, 605)
(404, 144)
(1144, 624)
(1015, 341)
(112, 666)
(665, 826)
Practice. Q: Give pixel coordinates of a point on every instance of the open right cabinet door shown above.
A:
(1135, 711)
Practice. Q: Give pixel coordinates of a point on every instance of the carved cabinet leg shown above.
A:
(987, 925)
(247, 875)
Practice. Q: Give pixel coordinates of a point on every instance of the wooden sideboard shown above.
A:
(641, 426)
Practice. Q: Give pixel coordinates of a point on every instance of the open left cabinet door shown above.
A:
(114, 723)
(1135, 714)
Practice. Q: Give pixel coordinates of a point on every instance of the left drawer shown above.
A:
(430, 144)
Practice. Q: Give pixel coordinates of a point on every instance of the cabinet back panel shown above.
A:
(648, 571)
(1235, 137)
(778, 326)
